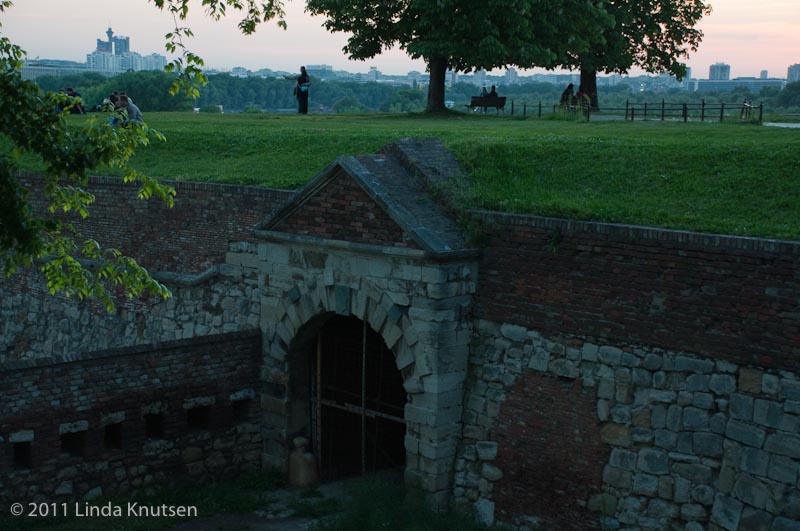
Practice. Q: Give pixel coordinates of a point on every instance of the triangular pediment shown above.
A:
(374, 200)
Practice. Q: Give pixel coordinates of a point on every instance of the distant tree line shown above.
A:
(150, 92)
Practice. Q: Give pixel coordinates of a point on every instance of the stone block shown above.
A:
(695, 419)
(750, 380)
(652, 362)
(783, 444)
(645, 485)
(616, 477)
(770, 384)
(703, 494)
(609, 355)
(768, 413)
(755, 520)
(745, 433)
(564, 368)
(784, 524)
(688, 364)
(603, 503)
(754, 461)
(783, 470)
(693, 512)
(726, 512)
(722, 384)
(513, 332)
(665, 439)
(697, 382)
(491, 472)
(741, 406)
(707, 444)
(72, 427)
(540, 360)
(21, 436)
(674, 416)
(624, 459)
(484, 511)
(653, 461)
(487, 450)
(703, 400)
(694, 472)
(615, 434)
(751, 491)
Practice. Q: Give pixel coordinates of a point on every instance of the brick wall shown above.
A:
(550, 452)
(344, 211)
(188, 238)
(48, 413)
(711, 295)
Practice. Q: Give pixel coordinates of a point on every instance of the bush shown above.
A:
(213, 109)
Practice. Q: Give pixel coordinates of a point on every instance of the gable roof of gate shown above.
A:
(382, 199)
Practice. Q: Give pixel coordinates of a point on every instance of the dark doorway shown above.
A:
(357, 402)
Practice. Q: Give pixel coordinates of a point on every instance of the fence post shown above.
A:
(721, 111)
(512, 107)
(662, 109)
(685, 113)
(760, 112)
(540, 108)
(626, 109)
(702, 110)
(524, 109)
(588, 111)
(645, 109)
(633, 112)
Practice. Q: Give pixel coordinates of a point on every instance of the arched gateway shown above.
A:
(366, 292)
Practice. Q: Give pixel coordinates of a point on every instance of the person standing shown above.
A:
(301, 91)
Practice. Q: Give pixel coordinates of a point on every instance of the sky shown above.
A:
(749, 35)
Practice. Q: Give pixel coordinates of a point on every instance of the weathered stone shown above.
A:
(603, 503)
(768, 413)
(642, 435)
(741, 406)
(616, 477)
(621, 414)
(750, 380)
(751, 491)
(745, 433)
(624, 459)
(540, 360)
(784, 444)
(609, 355)
(754, 461)
(726, 512)
(682, 490)
(697, 382)
(653, 461)
(770, 384)
(784, 524)
(707, 444)
(693, 512)
(615, 434)
(687, 364)
(722, 384)
(93, 494)
(666, 439)
(658, 417)
(703, 494)
(783, 470)
(491, 472)
(513, 332)
(695, 419)
(645, 484)
(603, 413)
(564, 368)
(191, 454)
(717, 423)
(484, 511)
(703, 400)
(755, 520)
(652, 362)
(696, 473)
(674, 415)
(486, 450)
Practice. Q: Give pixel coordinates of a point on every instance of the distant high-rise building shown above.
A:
(793, 74)
(511, 76)
(719, 72)
(764, 74)
(114, 55)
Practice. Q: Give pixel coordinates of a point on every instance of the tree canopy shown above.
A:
(653, 35)
(465, 35)
(35, 123)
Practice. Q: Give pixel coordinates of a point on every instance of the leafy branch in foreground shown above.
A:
(35, 122)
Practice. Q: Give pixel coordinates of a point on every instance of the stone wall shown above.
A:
(37, 325)
(114, 421)
(566, 433)
(677, 290)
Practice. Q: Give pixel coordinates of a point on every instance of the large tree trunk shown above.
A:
(589, 84)
(438, 70)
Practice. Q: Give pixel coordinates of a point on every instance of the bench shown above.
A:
(498, 102)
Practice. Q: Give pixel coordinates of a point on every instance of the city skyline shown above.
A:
(749, 36)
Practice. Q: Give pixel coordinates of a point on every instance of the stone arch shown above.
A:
(303, 306)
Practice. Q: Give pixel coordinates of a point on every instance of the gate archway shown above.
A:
(357, 400)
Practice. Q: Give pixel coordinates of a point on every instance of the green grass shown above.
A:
(730, 178)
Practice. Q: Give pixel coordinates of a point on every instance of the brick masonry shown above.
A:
(43, 406)
(667, 360)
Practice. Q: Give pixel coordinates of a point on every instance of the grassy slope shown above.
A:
(727, 178)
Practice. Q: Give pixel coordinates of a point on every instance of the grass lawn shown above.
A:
(727, 178)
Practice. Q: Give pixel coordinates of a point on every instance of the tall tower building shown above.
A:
(764, 74)
(719, 72)
(793, 74)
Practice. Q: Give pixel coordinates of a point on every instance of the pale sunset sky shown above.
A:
(749, 35)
